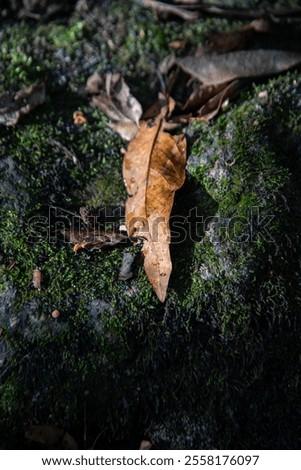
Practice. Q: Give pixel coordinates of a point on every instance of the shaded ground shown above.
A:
(218, 364)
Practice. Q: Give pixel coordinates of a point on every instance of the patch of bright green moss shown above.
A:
(19, 66)
(247, 190)
(62, 36)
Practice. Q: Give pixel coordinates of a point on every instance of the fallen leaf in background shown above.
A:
(238, 39)
(145, 445)
(113, 97)
(23, 102)
(164, 105)
(38, 10)
(218, 77)
(68, 442)
(127, 129)
(206, 102)
(276, 14)
(214, 69)
(94, 84)
(94, 239)
(214, 104)
(51, 436)
(46, 434)
(153, 169)
(200, 95)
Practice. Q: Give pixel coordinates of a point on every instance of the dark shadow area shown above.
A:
(102, 358)
(192, 206)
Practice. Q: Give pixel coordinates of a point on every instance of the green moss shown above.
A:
(19, 66)
(11, 398)
(246, 190)
(63, 37)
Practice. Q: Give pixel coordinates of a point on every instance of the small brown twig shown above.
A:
(283, 15)
(192, 9)
(167, 8)
(68, 153)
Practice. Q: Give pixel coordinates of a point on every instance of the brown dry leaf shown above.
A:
(163, 106)
(205, 101)
(214, 69)
(51, 436)
(214, 104)
(200, 95)
(94, 84)
(23, 102)
(115, 100)
(225, 42)
(238, 39)
(68, 442)
(153, 169)
(145, 445)
(209, 100)
(94, 239)
(126, 129)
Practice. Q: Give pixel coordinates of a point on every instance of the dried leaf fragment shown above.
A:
(94, 83)
(94, 239)
(23, 102)
(200, 96)
(126, 129)
(145, 445)
(68, 442)
(113, 97)
(46, 434)
(213, 105)
(215, 69)
(219, 77)
(153, 169)
(237, 39)
(51, 436)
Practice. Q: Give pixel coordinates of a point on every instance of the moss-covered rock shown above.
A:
(217, 365)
